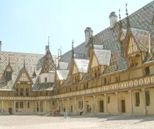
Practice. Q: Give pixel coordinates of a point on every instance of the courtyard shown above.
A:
(99, 122)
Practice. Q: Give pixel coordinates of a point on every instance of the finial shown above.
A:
(128, 23)
(24, 62)
(58, 57)
(9, 60)
(120, 23)
(119, 15)
(48, 41)
(72, 48)
(126, 10)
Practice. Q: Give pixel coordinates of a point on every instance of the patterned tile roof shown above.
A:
(140, 21)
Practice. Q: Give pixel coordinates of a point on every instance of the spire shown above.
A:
(24, 66)
(127, 18)
(72, 49)
(48, 41)
(47, 47)
(9, 61)
(58, 57)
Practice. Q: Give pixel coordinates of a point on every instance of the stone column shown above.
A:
(14, 106)
(105, 103)
(130, 101)
(75, 105)
(117, 99)
(83, 99)
(2, 106)
(45, 110)
(94, 104)
(144, 101)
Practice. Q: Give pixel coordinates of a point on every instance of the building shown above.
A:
(111, 72)
(26, 82)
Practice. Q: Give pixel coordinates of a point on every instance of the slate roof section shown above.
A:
(79, 52)
(62, 74)
(103, 56)
(63, 65)
(82, 65)
(139, 20)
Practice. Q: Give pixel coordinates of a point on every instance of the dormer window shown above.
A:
(147, 71)
(45, 79)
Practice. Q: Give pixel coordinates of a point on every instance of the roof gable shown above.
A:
(23, 76)
(62, 74)
(82, 65)
(103, 56)
(48, 63)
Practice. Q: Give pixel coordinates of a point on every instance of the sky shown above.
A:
(26, 24)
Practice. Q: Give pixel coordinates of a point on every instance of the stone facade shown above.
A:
(112, 72)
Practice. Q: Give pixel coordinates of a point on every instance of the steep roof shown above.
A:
(140, 21)
(82, 65)
(62, 74)
(103, 56)
(48, 63)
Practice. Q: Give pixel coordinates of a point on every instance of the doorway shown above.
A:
(101, 105)
(123, 106)
(10, 111)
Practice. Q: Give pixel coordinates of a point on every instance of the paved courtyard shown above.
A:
(106, 122)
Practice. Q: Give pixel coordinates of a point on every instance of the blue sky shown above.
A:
(26, 24)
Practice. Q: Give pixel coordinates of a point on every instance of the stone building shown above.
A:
(26, 82)
(111, 72)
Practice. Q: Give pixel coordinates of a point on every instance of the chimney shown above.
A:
(88, 34)
(113, 19)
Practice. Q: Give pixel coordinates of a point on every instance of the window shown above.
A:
(45, 79)
(17, 91)
(147, 71)
(28, 105)
(137, 99)
(21, 104)
(105, 81)
(16, 104)
(108, 99)
(147, 98)
(80, 104)
(21, 91)
(27, 92)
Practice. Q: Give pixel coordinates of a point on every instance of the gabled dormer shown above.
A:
(61, 76)
(137, 45)
(99, 59)
(23, 83)
(7, 75)
(46, 76)
(79, 67)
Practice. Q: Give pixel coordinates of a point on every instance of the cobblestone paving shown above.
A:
(105, 122)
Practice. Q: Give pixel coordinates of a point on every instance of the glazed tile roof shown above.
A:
(140, 21)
